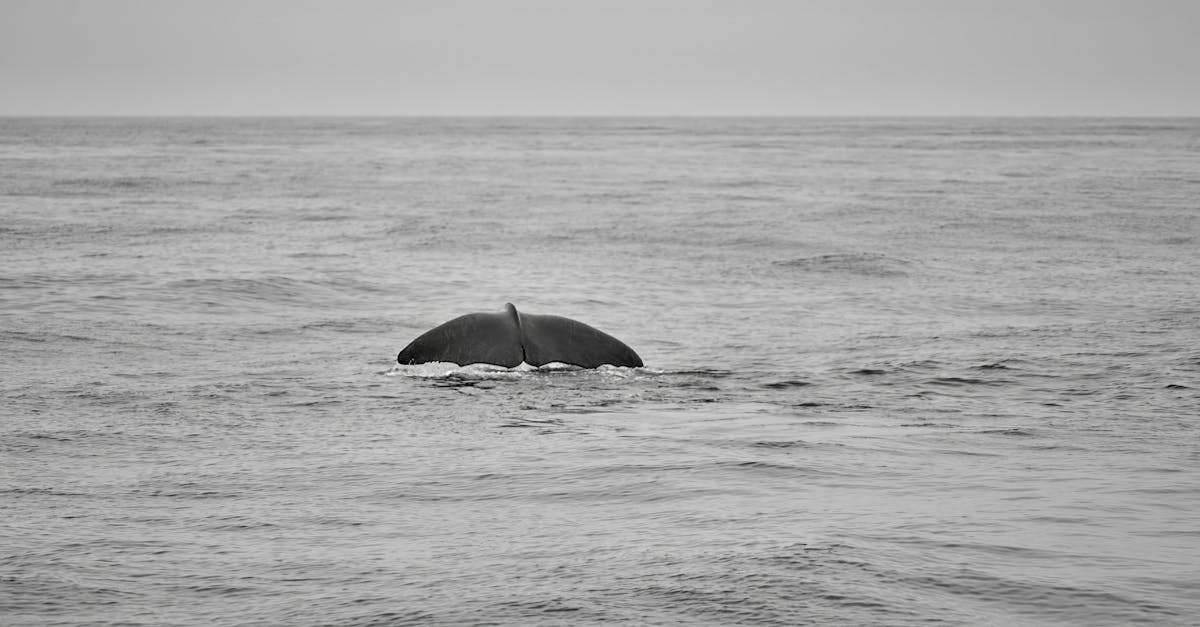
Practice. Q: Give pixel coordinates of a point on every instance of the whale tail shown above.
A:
(508, 338)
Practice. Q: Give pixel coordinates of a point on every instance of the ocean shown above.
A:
(897, 372)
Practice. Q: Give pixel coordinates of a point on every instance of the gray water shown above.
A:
(897, 372)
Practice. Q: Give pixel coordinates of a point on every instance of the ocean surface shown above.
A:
(898, 372)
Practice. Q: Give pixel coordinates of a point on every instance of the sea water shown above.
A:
(898, 371)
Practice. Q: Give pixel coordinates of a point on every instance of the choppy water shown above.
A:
(897, 372)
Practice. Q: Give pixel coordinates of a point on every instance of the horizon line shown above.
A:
(847, 116)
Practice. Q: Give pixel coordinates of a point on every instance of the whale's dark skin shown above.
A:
(507, 338)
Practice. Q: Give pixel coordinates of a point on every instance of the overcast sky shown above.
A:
(600, 57)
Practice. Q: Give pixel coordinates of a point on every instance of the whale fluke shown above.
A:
(507, 338)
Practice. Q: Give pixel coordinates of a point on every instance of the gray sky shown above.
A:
(600, 57)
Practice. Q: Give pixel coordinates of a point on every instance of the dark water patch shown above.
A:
(616, 197)
(710, 373)
(1076, 391)
(543, 425)
(644, 491)
(544, 606)
(786, 384)
(700, 387)
(73, 279)
(43, 594)
(312, 254)
(752, 198)
(86, 442)
(474, 381)
(330, 214)
(216, 589)
(192, 493)
(743, 183)
(801, 584)
(1063, 520)
(328, 402)
(958, 381)
(868, 372)
(272, 331)
(238, 524)
(1138, 127)
(921, 364)
(709, 600)
(780, 444)
(404, 617)
(965, 452)
(234, 292)
(767, 467)
(965, 577)
(1013, 431)
(1041, 600)
(861, 264)
(604, 405)
(1020, 174)
(119, 183)
(39, 491)
(268, 289)
(1055, 447)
